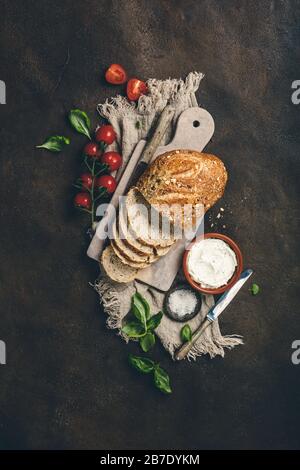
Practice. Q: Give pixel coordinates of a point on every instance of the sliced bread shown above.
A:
(115, 269)
(139, 217)
(128, 237)
(125, 258)
(159, 251)
(127, 252)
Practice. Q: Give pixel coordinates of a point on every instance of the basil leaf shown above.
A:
(145, 304)
(55, 143)
(138, 309)
(186, 333)
(255, 289)
(142, 364)
(133, 329)
(154, 321)
(162, 380)
(147, 342)
(80, 121)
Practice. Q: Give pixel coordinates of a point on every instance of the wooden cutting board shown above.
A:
(195, 128)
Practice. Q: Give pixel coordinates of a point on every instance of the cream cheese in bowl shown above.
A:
(211, 262)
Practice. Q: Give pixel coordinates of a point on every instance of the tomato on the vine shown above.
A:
(115, 74)
(106, 181)
(86, 180)
(106, 134)
(136, 88)
(83, 200)
(112, 159)
(91, 150)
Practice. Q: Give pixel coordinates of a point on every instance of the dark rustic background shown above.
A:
(67, 383)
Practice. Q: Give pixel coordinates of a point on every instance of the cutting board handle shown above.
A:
(195, 128)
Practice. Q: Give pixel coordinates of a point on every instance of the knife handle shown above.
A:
(163, 123)
(182, 352)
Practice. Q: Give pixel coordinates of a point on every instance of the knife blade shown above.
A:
(214, 312)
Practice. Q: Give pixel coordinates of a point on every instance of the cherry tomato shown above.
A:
(106, 181)
(91, 150)
(106, 134)
(83, 200)
(115, 74)
(136, 88)
(86, 180)
(112, 159)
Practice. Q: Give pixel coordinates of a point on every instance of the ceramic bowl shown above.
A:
(234, 278)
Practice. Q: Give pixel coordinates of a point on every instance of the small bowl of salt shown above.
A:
(182, 303)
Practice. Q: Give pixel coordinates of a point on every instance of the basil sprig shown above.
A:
(147, 366)
(143, 328)
(133, 329)
(55, 143)
(186, 333)
(80, 121)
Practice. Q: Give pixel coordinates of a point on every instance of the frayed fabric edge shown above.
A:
(109, 300)
(160, 92)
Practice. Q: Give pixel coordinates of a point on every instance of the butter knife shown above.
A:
(213, 314)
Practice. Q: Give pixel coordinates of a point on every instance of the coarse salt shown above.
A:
(182, 302)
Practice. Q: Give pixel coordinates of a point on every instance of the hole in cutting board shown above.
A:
(196, 123)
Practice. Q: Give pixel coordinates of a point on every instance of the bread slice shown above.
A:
(159, 251)
(127, 252)
(115, 269)
(139, 217)
(126, 259)
(129, 239)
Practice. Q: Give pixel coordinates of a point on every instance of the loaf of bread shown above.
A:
(183, 177)
(173, 181)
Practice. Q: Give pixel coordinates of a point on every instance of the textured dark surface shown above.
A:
(66, 383)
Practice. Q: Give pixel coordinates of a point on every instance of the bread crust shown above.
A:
(130, 239)
(183, 177)
(125, 258)
(113, 267)
(127, 252)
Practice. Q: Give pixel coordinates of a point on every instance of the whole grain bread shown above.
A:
(115, 269)
(125, 258)
(183, 177)
(127, 251)
(129, 238)
(145, 224)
